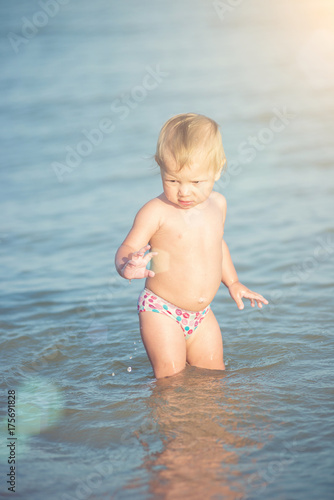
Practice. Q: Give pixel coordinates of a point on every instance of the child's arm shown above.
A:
(237, 290)
(129, 261)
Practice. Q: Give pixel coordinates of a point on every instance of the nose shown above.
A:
(184, 190)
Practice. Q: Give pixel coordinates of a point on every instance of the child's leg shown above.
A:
(205, 347)
(164, 342)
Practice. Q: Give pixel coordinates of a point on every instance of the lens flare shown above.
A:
(316, 58)
(39, 406)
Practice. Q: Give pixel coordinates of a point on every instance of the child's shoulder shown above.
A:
(153, 204)
(151, 208)
(219, 199)
(149, 217)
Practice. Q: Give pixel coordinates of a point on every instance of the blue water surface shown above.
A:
(85, 88)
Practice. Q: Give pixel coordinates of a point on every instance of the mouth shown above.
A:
(185, 203)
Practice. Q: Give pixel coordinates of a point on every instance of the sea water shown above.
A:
(85, 88)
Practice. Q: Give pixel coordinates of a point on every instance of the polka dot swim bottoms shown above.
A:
(188, 320)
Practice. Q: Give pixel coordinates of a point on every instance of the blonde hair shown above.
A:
(189, 133)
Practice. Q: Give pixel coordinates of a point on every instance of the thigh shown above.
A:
(164, 342)
(205, 347)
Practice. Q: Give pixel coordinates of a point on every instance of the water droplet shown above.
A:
(113, 374)
(130, 357)
(129, 369)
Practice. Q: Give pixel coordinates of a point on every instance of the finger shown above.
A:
(256, 296)
(250, 292)
(150, 273)
(259, 304)
(141, 251)
(137, 255)
(259, 297)
(252, 302)
(151, 255)
(144, 249)
(148, 257)
(240, 304)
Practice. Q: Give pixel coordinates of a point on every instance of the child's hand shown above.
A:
(135, 268)
(238, 291)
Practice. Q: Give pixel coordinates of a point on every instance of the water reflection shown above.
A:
(202, 428)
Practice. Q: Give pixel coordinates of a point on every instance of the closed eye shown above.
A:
(174, 180)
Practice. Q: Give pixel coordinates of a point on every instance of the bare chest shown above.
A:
(188, 229)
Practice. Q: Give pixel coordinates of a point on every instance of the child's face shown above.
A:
(190, 186)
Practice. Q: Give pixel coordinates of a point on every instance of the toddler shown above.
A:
(181, 233)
